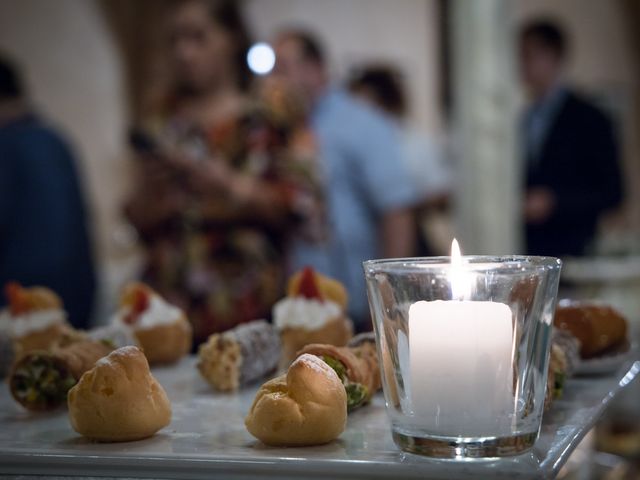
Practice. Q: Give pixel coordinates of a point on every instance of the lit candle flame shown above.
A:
(460, 284)
(456, 254)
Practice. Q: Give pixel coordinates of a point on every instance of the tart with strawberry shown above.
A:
(162, 329)
(314, 311)
(34, 318)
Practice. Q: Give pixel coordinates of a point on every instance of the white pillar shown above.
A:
(485, 123)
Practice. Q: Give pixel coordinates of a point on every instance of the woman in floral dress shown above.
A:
(229, 180)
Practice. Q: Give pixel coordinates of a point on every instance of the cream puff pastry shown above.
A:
(306, 406)
(118, 400)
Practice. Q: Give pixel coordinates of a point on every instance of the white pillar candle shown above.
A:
(460, 366)
(460, 362)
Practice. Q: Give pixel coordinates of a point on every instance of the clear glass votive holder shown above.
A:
(464, 350)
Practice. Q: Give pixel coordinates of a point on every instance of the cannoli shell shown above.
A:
(219, 362)
(43, 339)
(81, 356)
(360, 364)
(74, 358)
(239, 356)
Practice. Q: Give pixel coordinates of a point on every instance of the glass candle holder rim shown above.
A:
(520, 263)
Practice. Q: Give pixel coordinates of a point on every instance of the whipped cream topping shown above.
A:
(26, 323)
(159, 312)
(301, 312)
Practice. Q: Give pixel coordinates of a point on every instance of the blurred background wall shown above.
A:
(82, 57)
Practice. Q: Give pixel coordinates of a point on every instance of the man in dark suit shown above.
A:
(572, 169)
(43, 231)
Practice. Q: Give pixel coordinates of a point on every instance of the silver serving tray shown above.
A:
(207, 439)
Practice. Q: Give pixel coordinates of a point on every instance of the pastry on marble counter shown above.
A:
(599, 328)
(35, 317)
(306, 406)
(40, 379)
(119, 400)
(556, 375)
(162, 330)
(357, 368)
(314, 311)
(570, 346)
(564, 358)
(239, 356)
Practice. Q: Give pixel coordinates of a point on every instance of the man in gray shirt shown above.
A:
(368, 192)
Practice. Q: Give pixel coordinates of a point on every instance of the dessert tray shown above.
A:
(207, 439)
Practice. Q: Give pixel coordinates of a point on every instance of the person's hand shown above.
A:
(539, 205)
(156, 174)
(157, 195)
(210, 176)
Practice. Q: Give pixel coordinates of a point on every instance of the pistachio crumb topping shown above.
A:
(356, 393)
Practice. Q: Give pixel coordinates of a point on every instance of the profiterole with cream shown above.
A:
(162, 330)
(314, 311)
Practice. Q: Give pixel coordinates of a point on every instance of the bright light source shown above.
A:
(261, 58)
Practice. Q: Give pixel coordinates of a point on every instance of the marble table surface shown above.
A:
(207, 439)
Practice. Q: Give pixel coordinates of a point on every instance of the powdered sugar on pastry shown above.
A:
(26, 323)
(315, 363)
(119, 355)
(159, 312)
(300, 312)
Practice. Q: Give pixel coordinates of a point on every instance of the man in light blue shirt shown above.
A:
(368, 192)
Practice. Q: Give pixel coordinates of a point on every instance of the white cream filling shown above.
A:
(26, 323)
(159, 312)
(300, 312)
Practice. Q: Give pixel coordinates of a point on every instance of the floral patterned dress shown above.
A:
(221, 268)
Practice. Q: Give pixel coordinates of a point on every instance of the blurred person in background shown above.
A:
(223, 180)
(572, 165)
(44, 238)
(368, 190)
(382, 86)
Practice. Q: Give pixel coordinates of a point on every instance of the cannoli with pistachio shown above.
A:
(357, 367)
(556, 375)
(40, 380)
